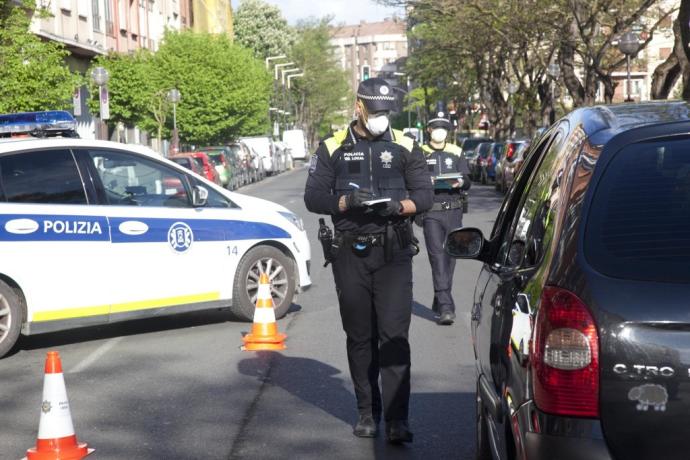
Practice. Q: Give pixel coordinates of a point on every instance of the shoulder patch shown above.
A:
(335, 141)
(400, 139)
(452, 148)
(312, 163)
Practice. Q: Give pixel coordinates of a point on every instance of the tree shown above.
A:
(33, 73)
(131, 83)
(224, 89)
(677, 65)
(323, 94)
(262, 28)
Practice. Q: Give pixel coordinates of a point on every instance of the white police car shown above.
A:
(93, 232)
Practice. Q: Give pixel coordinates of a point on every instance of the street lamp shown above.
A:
(512, 89)
(407, 87)
(554, 70)
(284, 72)
(628, 44)
(273, 58)
(279, 66)
(100, 77)
(174, 97)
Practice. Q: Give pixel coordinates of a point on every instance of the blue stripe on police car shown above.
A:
(53, 228)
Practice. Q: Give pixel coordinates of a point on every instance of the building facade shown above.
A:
(370, 49)
(89, 28)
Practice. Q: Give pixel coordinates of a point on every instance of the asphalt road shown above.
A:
(179, 387)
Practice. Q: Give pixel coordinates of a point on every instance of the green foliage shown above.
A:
(131, 83)
(262, 28)
(323, 93)
(33, 74)
(224, 89)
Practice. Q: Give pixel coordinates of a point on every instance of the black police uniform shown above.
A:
(444, 216)
(373, 278)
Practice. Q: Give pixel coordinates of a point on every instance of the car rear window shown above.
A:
(215, 158)
(639, 222)
(471, 144)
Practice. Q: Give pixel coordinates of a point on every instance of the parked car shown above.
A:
(193, 164)
(250, 160)
(510, 164)
(297, 144)
(209, 169)
(95, 232)
(477, 163)
(580, 321)
(227, 171)
(267, 153)
(488, 164)
(469, 146)
(240, 175)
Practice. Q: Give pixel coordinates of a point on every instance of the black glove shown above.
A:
(390, 208)
(357, 197)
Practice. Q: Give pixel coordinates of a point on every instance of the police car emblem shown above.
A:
(386, 158)
(180, 237)
(384, 90)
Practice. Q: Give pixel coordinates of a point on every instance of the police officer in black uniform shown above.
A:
(372, 250)
(443, 158)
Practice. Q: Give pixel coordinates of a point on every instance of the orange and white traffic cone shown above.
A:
(264, 335)
(56, 438)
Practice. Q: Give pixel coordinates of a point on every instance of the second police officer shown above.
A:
(450, 173)
(372, 256)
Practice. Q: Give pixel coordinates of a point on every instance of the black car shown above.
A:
(581, 314)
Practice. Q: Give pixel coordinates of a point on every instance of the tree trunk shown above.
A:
(567, 58)
(609, 88)
(667, 73)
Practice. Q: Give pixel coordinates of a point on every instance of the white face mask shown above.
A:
(377, 124)
(439, 135)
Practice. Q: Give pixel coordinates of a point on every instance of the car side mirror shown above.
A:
(465, 243)
(199, 196)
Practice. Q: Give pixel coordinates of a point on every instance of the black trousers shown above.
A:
(375, 299)
(437, 224)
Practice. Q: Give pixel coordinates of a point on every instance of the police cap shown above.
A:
(377, 95)
(440, 121)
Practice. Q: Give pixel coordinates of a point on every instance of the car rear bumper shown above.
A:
(545, 436)
(543, 446)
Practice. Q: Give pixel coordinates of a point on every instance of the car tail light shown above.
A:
(511, 151)
(490, 161)
(565, 368)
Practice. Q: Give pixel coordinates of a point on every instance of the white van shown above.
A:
(93, 232)
(295, 139)
(267, 152)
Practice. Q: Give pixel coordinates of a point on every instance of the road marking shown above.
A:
(95, 355)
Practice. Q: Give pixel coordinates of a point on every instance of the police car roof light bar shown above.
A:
(39, 124)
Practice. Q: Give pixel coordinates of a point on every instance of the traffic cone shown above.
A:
(56, 438)
(264, 335)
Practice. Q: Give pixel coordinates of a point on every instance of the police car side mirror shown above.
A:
(465, 243)
(199, 196)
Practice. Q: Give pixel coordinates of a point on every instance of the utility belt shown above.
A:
(361, 244)
(447, 205)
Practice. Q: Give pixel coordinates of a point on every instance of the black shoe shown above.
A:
(398, 432)
(366, 427)
(446, 318)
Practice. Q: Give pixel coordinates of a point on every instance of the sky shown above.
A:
(344, 11)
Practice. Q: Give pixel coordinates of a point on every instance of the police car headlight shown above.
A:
(296, 220)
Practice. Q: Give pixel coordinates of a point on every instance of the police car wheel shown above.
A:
(281, 272)
(10, 318)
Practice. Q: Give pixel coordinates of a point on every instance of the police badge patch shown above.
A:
(386, 159)
(312, 163)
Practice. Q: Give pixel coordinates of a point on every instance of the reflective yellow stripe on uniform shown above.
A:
(335, 141)
(69, 313)
(427, 149)
(400, 139)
